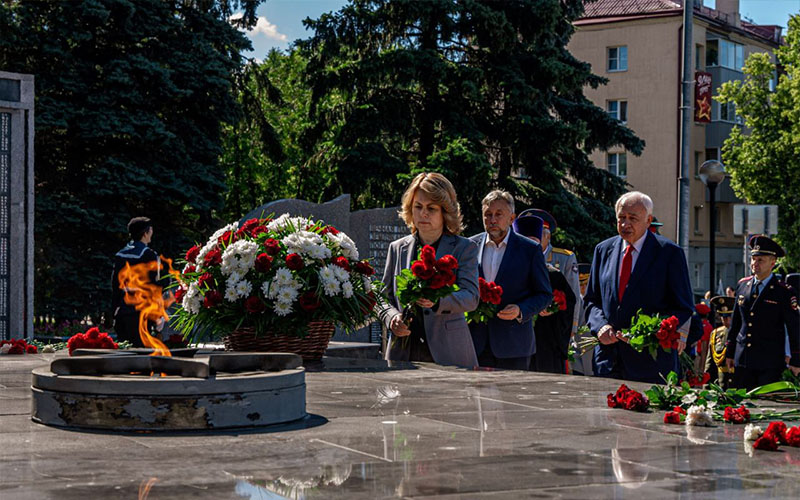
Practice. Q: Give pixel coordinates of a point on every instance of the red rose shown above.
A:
(189, 269)
(561, 299)
(309, 301)
(191, 254)
(272, 246)
(428, 256)
(793, 437)
(447, 262)
(662, 334)
(263, 263)
(442, 279)
(31, 349)
(421, 271)
(294, 262)
(212, 298)
(364, 268)
(635, 401)
(16, 349)
(672, 417)
(329, 229)
(203, 279)
(739, 415)
(765, 442)
(254, 305)
(179, 293)
(257, 230)
(226, 239)
(342, 262)
(248, 225)
(214, 257)
(680, 410)
(612, 401)
(776, 431)
(92, 333)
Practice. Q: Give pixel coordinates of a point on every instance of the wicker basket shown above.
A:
(311, 347)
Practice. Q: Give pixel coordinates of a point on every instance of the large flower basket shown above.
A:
(311, 347)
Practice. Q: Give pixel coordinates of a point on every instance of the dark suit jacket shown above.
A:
(523, 276)
(445, 328)
(659, 284)
(553, 332)
(757, 337)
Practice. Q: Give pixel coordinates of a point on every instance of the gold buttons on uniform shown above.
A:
(752, 314)
(749, 324)
(749, 335)
(748, 344)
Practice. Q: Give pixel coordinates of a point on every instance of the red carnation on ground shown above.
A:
(793, 437)
(421, 271)
(678, 409)
(213, 298)
(272, 246)
(254, 305)
(776, 431)
(17, 348)
(695, 381)
(628, 399)
(364, 268)
(263, 263)
(191, 254)
(31, 349)
(294, 262)
(765, 442)
(342, 262)
(672, 417)
(212, 258)
(309, 302)
(739, 415)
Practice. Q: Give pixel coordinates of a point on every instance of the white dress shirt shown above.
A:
(493, 256)
(637, 249)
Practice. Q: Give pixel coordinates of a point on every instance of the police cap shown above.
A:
(722, 304)
(529, 225)
(762, 245)
(548, 221)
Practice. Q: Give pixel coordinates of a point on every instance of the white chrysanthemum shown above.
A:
(282, 309)
(689, 398)
(212, 242)
(286, 221)
(752, 432)
(266, 288)
(301, 242)
(344, 242)
(283, 276)
(193, 290)
(327, 274)
(319, 252)
(286, 294)
(347, 289)
(239, 257)
(293, 283)
(187, 267)
(243, 288)
(698, 415)
(341, 274)
(236, 276)
(331, 288)
(5, 348)
(191, 304)
(367, 284)
(230, 293)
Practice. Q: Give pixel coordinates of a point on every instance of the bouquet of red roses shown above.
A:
(645, 333)
(559, 303)
(428, 278)
(92, 339)
(491, 294)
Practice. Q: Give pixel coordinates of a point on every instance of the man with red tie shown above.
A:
(636, 270)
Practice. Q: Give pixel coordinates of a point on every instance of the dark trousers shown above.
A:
(750, 379)
(126, 326)
(487, 358)
(548, 361)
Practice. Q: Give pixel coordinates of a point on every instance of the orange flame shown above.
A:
(144, 487)
(147, 298)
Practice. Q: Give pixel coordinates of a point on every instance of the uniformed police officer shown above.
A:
(560, 258)
(715, 366)
(126, 317)
(553, 330)
(765, 312)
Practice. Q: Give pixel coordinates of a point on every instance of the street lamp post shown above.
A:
(712, 173)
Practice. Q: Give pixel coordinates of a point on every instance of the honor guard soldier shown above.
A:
(126, 317)
(715, 366)
(765, 312)
(560, 258)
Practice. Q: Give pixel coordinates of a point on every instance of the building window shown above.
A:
(618, 164)
(698, 159)
(725, 53)
(725, 112)
(712, 154)
(717, 220)
(698, 57)
(697, 273)
(619, 110)
(618, 58)
(697, 219)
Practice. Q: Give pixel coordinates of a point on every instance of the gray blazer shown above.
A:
(448, 336)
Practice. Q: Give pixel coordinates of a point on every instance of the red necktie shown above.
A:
(625, 272)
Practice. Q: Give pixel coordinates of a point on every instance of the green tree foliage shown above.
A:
(480, 90)
(129, 100)
(764, 162)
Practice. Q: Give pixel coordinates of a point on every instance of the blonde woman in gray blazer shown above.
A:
(440, 332)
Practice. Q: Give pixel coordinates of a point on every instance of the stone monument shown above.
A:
(16, 205)
(372, 230)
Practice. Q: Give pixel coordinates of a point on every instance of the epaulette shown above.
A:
(551, 267)
(785, 285)
(562, 251)
(744, 279)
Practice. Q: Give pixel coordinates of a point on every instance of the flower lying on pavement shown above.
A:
(739, 415)
(752, 432)
(699, 415)
(628, 399)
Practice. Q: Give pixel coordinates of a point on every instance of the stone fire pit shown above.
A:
(202, 391)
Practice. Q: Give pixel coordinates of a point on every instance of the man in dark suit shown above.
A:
(516, 264)
(636, 270)
(765, 312)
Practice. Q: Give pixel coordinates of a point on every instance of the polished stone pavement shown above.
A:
(414, 431)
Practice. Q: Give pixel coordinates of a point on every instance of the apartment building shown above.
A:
(637, 45)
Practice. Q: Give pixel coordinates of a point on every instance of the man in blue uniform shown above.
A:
(126, 317)
(765, 312)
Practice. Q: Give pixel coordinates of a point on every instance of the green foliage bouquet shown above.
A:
(646, 333)
(274, 275)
